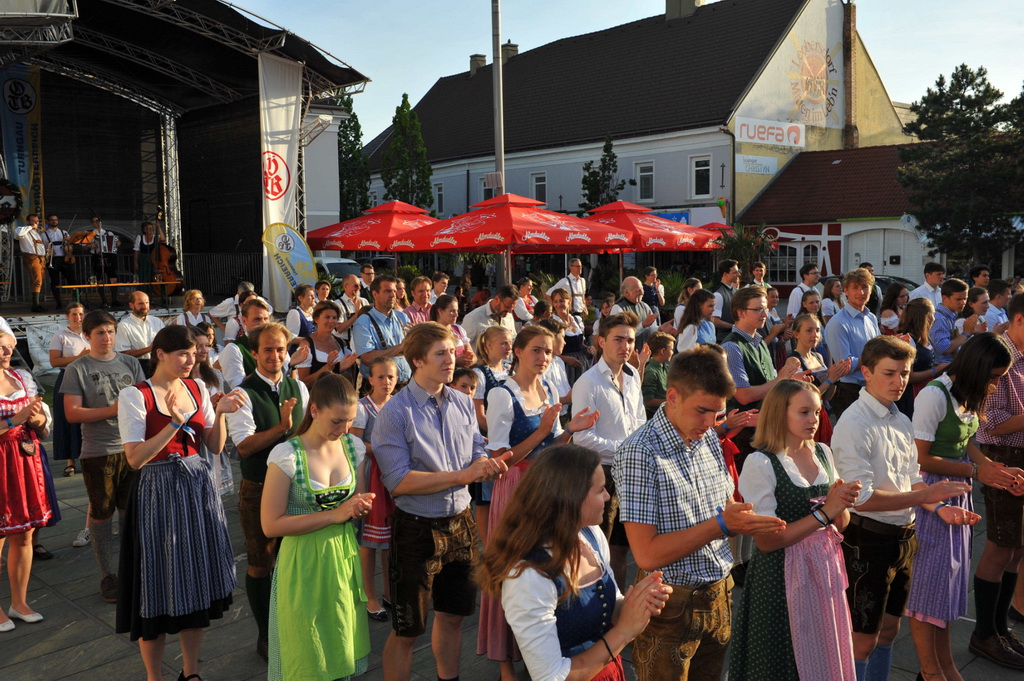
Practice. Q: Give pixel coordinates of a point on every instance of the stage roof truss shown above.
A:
(157, 62)
(105, 80)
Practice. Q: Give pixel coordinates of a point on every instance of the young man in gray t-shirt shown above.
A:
(90, 388)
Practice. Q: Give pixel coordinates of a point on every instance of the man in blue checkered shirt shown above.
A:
(675, 500)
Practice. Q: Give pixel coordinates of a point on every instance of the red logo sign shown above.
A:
(276, 176)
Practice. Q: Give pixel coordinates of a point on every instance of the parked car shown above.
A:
(339, 268)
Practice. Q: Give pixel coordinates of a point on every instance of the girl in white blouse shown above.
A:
(549, 566)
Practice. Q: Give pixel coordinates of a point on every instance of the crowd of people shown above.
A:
(822, 456)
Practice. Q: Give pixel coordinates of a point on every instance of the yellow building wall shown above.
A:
(877, 121)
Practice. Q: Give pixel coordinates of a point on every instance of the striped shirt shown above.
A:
(662, 482)
(1007, 400)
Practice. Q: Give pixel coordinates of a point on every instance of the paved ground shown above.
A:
(77, 639)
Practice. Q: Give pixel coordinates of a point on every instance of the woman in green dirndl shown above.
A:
(318, 624)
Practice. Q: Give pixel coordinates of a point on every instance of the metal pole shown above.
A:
(499, 119)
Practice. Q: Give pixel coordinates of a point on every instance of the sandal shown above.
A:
(69, 471)
(378, 616)
(41, 553)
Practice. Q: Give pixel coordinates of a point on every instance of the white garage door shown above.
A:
(894, 252)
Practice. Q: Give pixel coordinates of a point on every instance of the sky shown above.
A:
(404, 46)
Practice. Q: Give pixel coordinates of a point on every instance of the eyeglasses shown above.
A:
(757, 310)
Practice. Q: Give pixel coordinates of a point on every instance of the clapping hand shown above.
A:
(741, 519)
(955, 515)
(839, 369)
(584, 419)
(356, 507)
(231, 402)
(645, 598)
(737, 419)
(841, 496)
(348, 361)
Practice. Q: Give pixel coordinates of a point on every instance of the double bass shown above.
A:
(165, 262)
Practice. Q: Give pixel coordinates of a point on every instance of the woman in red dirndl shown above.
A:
(24, 506)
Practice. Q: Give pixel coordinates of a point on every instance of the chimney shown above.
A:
(677, 9)
(851, 134)
(508, 50)
(476, 61)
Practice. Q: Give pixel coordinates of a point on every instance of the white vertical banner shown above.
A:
(280, 107)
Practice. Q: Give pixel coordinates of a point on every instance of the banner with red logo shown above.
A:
(21, 122)
(280, 106)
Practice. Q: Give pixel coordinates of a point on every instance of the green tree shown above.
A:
(353, 166)
(745, 244)
(404, 167)
(601, 184)
(964, 180)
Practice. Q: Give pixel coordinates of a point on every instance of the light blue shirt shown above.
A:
(942, 334)
(367, 338)
(995, 316)
(415, 433)
(846, 334)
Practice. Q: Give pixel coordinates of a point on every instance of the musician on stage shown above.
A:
(33, 255)
(104, 263)
(59, 257)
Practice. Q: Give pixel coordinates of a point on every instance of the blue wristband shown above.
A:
(939, 507)
(829, 381)
(721, 522)
(176, 426)
(10, 424)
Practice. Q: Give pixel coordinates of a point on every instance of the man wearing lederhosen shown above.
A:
(58, 258)
(33, 255)
(104, 263)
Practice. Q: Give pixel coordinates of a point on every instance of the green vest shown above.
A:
(248, 361)
(758, 363)
(266, 412)
(952, 434)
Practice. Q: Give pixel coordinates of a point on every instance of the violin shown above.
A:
(165, 263)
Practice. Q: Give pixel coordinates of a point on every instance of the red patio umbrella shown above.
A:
(512, 224)
(650, 232)
(371, 231)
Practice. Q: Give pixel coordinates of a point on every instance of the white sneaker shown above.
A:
(82, 539)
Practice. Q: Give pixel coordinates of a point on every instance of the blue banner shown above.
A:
(21, 123)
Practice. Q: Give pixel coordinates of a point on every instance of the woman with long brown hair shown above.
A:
(318, 624)
(173, 510)
(522, 417)
(549, 564)
(916, 322)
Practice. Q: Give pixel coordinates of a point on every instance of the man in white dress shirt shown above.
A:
(439, 284)
(495, 312)
(613, 388)
(998, 299)
(137, 329)
(934, 274)
(33, 255)
(230, 307)
(874, 443)
(58, 259)
(809, 276)
(576, 285)
(350, 304)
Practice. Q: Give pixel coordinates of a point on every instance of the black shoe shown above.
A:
(182, 677)
(261, 649)
(40, 553)
(379, 616)
(1016, 615)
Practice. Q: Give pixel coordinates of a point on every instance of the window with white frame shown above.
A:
(373, 199)
(487, 192)
(700, 176)
(439, 198)
(644, 173)
(539, 182)
(785, 263)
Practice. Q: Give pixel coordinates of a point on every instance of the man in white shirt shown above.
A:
(632, 301)
(575, 284)
(58, 258)
(934, 274)
(613, 388)
(136, 330)
(33, 255)
(874, 443)
(495, 312)
(350, 303)
(273, 408)
(229, 307)
(237, 360)
(998, 299)
(809, 276)
(104, 264)
(439, 282)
